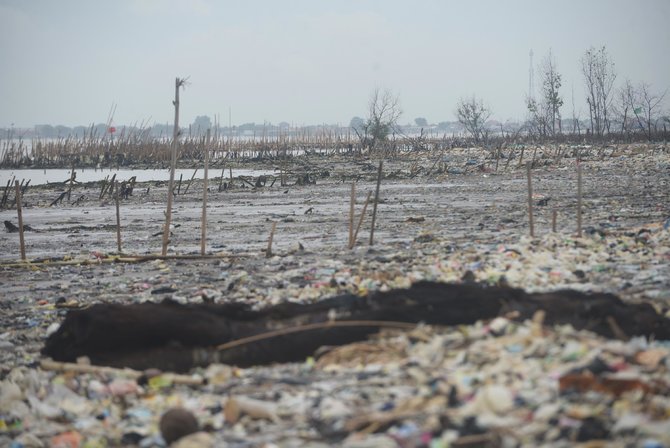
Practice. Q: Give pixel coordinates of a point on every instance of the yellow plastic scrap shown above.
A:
(160, 382)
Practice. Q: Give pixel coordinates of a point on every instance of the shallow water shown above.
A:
(48, 176)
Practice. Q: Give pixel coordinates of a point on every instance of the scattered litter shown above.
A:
(496, 382)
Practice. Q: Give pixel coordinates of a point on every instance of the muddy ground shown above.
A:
(457, 198)
(431, 210)
(440, 217)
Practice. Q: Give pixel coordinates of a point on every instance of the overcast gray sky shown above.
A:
(307, 62)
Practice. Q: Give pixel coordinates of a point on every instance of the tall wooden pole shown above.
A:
(374, 206)
(554, 213)
(579, 199)
(223, 173)
(203, 224)
(351, 213)
(530, 200)
(352, 243)
(268, 252)
(73, 175)
(118, 219)
(173, 163)
(19, 212)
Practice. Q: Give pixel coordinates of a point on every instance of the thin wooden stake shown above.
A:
(111, 185)
(579, 199)
(268, 252)
(104, 186)
(374, 206)
(223, 173)
(20, 213)
(5, 196)
(554, 213)
(360, 220)
(351, 213)
(532, 163)
(188, 185)
(203, 224)
(179, 185)
(72, 177)
(118, 220)
(530, 200)
(173, 163)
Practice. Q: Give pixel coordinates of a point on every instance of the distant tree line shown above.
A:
(629, 110)
(626, 109)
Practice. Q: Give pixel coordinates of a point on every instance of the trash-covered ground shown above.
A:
(449, 218)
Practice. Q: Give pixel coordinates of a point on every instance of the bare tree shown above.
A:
(599, 77)
(648, 112)
(545, 113)
(539, 121)
(383, 114)
(551, 84)
(472, 114)
(626, 99)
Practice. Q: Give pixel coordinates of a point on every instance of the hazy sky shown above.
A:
(307, 62)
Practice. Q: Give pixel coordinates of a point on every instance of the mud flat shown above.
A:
(449, 218)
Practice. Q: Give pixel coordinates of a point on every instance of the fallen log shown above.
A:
(175, 337)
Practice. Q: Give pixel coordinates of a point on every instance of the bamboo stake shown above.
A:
(104, 186)
(360, 220)
(179, 185)
(20, 213)
(110, 186)
(203, 224)
(374, 206)
(118, 220)
(534, 153)
(554, 213)
(69, 189)
(188, 185)
(173, 163)
(530, 200)
(351, 213)
(223, 174)
(268, 252)
(5, 196)
(579, 199)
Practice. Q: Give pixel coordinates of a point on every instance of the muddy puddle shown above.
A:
(83, 175)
